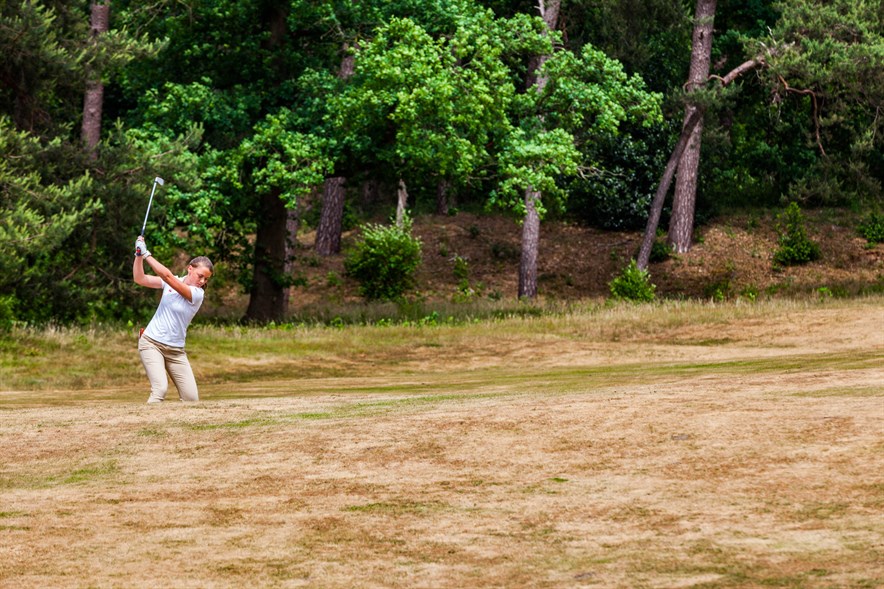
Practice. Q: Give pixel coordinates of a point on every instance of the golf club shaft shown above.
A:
(149, 202)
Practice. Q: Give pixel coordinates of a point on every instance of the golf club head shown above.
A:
(156, 181)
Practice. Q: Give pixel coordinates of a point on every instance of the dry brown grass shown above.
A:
(669, 446)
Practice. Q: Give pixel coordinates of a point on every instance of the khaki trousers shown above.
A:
(158, 359)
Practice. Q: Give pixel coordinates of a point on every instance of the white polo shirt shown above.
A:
(169, 323)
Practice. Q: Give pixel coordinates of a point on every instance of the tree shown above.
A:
(417, 106)
(687, 133)
(353, 23)
(283, 166)
(537, 79)
(38, 216)
(585, 99)
(829, 64)
(681, 227)
(64, 212)
(827, 59)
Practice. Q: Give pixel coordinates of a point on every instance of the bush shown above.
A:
(7, 314)
(384, 260)
(633, 284)
(795, 247)
(872, 228)
(661, 250)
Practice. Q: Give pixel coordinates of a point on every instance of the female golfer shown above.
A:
(161, 344)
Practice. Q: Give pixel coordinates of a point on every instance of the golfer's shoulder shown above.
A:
(197, 294)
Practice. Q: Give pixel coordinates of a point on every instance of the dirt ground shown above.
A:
(732, 257)
(747, 454)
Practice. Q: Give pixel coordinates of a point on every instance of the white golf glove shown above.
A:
(141, 247)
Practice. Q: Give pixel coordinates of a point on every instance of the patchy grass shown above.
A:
(596, 448)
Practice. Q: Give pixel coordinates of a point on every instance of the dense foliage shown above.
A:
(240, 104)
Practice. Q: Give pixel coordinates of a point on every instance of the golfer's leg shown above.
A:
(182, 375)
(155, 367)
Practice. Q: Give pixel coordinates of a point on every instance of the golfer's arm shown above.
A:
(166, 276)
(143, 279)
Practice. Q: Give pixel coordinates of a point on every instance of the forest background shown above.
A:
(270, 119)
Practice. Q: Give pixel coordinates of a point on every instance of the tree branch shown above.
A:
(816, 118)
(738, 71)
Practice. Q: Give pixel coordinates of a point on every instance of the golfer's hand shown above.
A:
(141, 247)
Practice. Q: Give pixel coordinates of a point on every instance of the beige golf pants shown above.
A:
(158, 359)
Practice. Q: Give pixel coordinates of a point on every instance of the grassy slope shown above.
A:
(732, 258)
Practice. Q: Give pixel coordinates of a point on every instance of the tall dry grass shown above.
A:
(105, 356)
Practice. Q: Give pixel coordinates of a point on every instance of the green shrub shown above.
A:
(461, 268)
(633, 284)
(384, 260)
(795, 247)
(872, 228)
(7, 314)
(661, 251)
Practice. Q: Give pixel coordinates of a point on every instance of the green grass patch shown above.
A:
(342, 411)
(315, 415)
(870, 391)
(397, 507)
(241, 424)
(91, 473)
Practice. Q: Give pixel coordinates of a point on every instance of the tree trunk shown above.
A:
(684, 202)
(530, 246)
(401, 202)
(328, 234)
(549, 11)
(371, 192)
(93, 100)
(444, 198)
(644, 254)
(268, 297)
(292, 225)
(277, 226)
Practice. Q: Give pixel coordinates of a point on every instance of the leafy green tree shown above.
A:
(420, 105)
(584, 99)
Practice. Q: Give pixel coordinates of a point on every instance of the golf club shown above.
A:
(156, 181)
